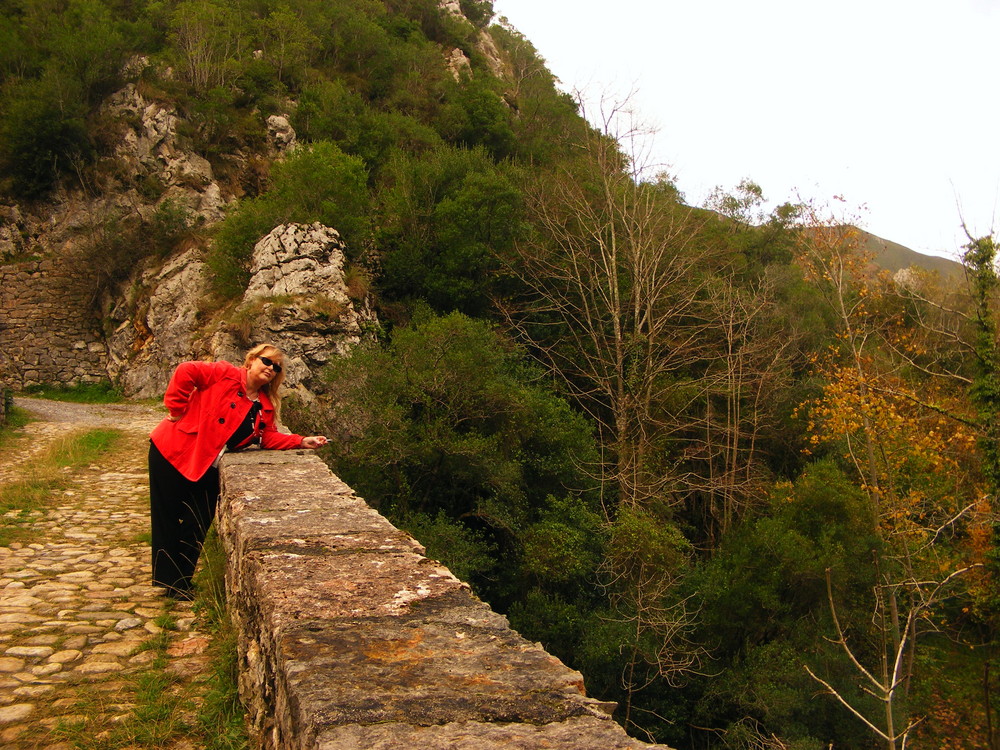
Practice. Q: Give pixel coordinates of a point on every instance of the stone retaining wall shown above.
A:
(47, 332)
(350, 638)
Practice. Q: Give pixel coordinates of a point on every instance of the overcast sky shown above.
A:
(892, 104)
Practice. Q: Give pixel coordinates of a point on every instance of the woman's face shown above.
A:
(260, 373)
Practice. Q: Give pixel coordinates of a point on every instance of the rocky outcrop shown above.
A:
(301, 298)
(144, 348)
(298, 299)
(150, 150)
(12, 231)
(456, 59)
(51, 326)
(488, 49)
(54, 328)
(281, 133)
(458, 63)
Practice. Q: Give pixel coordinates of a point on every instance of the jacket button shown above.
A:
(222, 420)
(240, 394)
(232, 406)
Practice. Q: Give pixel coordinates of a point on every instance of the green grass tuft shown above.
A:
(221, 719)
(48, 474)
(81, 393)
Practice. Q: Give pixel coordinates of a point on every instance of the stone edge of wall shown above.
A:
(349, 637)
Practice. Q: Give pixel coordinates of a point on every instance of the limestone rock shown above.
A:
(301, 298)
(144, 350)
(488, 49)
(12, 231)
(297, 259)
(56, 329)
(281, 132)
(151, 148)
(452, 8)
(458, 63)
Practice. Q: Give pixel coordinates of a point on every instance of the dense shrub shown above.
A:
(476, 115)
(43, 133)
(455, 437)
(765, 609)
(55, 68)
(478, 11)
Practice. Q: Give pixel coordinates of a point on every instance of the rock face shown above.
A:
(150, 150)
(300, 298)
(295, 259)
(456, 59)
(297, 299)
(144, 349)
(52, 325)
(281, 132)
(54, 328)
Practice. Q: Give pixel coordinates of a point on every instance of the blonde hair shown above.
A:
(273, 388)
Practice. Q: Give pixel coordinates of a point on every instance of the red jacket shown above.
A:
(210, 399)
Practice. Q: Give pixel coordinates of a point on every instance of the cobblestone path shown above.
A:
(76, 605)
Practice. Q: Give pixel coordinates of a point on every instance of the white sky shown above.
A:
(892, 104)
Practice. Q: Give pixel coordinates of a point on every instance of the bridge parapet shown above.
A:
(350, 638)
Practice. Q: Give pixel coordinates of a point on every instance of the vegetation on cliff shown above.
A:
(709, 457)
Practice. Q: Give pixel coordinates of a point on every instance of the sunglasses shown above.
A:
(270, 363)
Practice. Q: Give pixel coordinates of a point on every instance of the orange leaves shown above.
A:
(914, 462)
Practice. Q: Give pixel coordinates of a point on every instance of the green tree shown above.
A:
(56, 67)
(43, 133)
(90, 45)
(476, 115)
(211, 39)
(450, 216)
(288, 41)
(980, 260)
(764, 610)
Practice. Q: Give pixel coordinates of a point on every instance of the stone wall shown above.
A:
(350, 638)
(47, 332)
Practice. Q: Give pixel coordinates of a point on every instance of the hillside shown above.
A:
(892, 257)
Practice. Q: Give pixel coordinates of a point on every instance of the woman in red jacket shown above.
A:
(214, 407)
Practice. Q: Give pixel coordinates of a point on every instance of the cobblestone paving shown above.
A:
(76, 605)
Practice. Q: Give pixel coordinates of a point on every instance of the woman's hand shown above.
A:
(314, 441)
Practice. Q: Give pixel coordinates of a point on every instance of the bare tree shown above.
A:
(885, 682)
(747, 366)
(613, 280)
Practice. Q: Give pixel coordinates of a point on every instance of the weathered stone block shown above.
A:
(350, 638)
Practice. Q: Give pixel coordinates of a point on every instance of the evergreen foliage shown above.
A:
(459, 441)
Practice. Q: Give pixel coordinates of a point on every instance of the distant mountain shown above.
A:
(892, 257)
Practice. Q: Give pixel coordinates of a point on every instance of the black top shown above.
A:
(248, 432)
